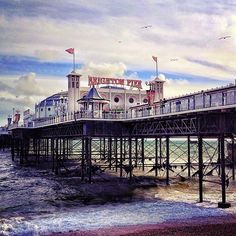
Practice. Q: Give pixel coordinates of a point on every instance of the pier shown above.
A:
(191, 136)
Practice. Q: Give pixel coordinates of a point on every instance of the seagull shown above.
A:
(224, 37)
(146, 26)
(174, 59)
(119, 41)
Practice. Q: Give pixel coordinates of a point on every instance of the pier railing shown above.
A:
(202, 101)
(224, 97)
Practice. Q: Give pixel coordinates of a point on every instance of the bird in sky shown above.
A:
(174, 59)
(119, 41)
(146, 26)
(224, 37)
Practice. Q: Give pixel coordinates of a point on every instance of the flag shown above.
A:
(154, 58)
(70, 50)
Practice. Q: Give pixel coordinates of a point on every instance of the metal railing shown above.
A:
(204, 100)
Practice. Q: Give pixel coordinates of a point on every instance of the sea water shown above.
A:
(31, 204)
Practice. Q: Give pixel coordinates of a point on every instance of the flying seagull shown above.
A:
(119, 41)
(224, 37)
(174, 59)
(146, 26)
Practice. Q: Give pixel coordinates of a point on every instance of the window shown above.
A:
(41, 109)
(73, 84)
(116, 99)
(77, 84)
(131, 100)
(145, 100)
(49, 109)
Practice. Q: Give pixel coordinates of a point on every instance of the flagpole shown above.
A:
(74, 60)
(156, 69)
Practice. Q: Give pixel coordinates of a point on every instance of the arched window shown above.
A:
(116, 99)
(145, 100)
(131, 100)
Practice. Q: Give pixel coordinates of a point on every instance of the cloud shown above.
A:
(4, 87)
(47, 54)
(181, 86)
(212, 65)
(27, 85)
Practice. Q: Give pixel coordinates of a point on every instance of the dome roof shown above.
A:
(54, 97)
(161, 78)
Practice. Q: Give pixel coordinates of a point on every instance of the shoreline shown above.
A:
(204, 226)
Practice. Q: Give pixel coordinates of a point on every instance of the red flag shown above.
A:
(70, 50)
(154, 58)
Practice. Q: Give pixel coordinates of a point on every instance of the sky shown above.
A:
(110, 39)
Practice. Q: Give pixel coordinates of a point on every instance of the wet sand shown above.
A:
(211, 226)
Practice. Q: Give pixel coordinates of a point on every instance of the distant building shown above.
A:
(28, 118)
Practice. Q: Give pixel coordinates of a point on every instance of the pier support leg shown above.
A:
(53, 154)
(100, 148)
(26, 149)
(110, 151)
(167, 159)
(38, 151)
(130, 158)
(104, 148)
(223, 204)
(47, 148)
(189, 158)
(64, 148)
(115, 153)
(57, 157)
(67, 147)
(136, 152)
(121, 156)
(156, 155)
(218, 161)
(160, 151)
(200, 168)
(233, 159)
(82, 159)
(88, 157)
(21, 152)
(18, 148)
(12, 149)
(142, 148)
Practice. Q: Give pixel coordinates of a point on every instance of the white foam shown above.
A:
(93, 217)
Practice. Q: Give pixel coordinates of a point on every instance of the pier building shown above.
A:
(122, 94)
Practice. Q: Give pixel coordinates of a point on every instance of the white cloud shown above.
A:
(179, 87)
(28, 85)
(47, 54)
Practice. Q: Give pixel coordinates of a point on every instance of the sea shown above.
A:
(34, 201)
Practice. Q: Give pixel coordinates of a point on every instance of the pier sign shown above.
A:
(134, 83)
(93, 80)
